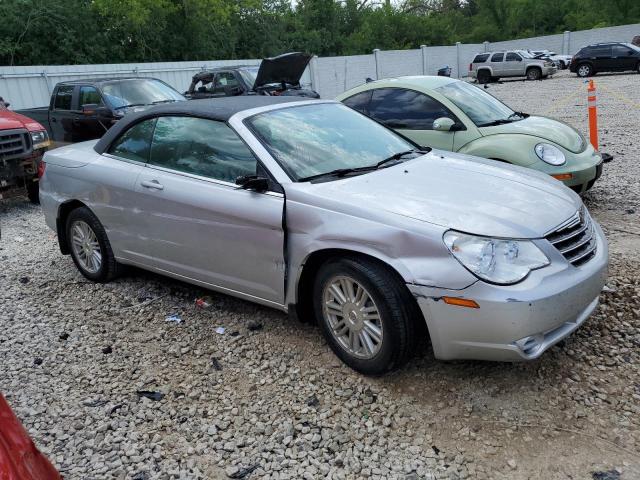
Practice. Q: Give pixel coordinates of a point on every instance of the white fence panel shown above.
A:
(31, 86)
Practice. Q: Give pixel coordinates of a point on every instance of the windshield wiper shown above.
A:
(518, 114)
(398, 156)
(130, 105)
(341, 172)
(502, 121)
(163, 101)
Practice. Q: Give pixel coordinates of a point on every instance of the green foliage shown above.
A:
(112, 31)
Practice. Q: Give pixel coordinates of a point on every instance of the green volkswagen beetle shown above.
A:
(449, 114)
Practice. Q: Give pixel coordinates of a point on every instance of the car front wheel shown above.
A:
(90, 247)
(366, 314)
(584, 70)
(534, 74)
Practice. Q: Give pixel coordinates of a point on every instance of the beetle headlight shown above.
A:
(501, 261)
(550, 154)
(39, 139)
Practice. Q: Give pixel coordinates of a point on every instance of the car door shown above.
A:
(116, 200)
(513, 65)
(201, 225)
(61, 115)
(497, 64)
(622, 58)
(93, 123)
(600, 56)
(412, 114)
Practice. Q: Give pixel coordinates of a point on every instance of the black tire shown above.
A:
(584, 70)
(397, 310)
(109, 268)
(483, 76)
(638, 67)
(534, 73)
(33, 192)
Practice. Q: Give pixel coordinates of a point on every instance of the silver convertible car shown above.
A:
(312, 208)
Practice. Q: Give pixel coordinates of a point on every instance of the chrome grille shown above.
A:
(575, 239)
(13, 143)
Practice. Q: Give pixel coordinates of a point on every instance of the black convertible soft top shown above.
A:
(221, 109)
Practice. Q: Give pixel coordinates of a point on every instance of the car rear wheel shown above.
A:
(534, 74)
(90, 247)
(367, 316)
(483, 76)
(584, 70)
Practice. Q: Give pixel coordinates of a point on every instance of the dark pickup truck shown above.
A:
(84, 109)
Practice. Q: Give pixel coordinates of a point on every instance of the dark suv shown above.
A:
(606, 57)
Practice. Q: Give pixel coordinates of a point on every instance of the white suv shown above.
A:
(491, 66)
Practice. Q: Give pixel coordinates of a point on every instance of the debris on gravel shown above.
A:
(160, 405)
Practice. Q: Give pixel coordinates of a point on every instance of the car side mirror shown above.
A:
(443, 124)
(253, 182)
(232, 91)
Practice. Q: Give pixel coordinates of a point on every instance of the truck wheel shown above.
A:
(483, 76)
(367, 316)
(534, 73)
(584, 70)
(33, 192)
(90, 247)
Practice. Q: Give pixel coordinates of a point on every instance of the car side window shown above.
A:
(90, 96)
(406, 109)
(497, 57)
(620, 51)
(225, 82)
(359, 101)
(513, 57)
(600, 51)
(202, 147)
(481, 58)
(134, 143)
(63, 98)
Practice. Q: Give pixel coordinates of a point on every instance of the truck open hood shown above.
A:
(546, 128)
(287, 68)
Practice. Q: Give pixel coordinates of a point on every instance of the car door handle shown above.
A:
(154, 184)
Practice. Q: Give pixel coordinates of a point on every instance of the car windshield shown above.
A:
(632, 46)
(124, 93)
(525, 54)
(316, 139)
(483, 109)
(249, 75)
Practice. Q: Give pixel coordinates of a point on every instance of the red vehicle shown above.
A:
(19, 457)
(23, 141)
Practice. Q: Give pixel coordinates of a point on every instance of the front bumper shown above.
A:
(549, 70)
(516, 322)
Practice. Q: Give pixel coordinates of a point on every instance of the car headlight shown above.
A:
(501, 261)
(39, 139)
(550, 154)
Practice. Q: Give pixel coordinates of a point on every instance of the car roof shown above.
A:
(418, 81)
(221, 109)
(102, 80)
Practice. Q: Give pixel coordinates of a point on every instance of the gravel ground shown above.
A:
(267, 398)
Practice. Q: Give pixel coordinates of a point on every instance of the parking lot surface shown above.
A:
(264, 397)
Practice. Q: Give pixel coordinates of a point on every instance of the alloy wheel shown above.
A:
(86, 246)
(353, 317)
(584, 70)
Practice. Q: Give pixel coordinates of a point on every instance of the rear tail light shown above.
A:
(41, 168)
(470, 66)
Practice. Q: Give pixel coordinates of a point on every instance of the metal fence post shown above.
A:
(486, 46)
(46, 80)
(423, 50)
(457, 59)
(566, 43)
(313, 73)
(376, 53)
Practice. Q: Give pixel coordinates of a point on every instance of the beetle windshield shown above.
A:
(312, 140)
(483, 109)
(143, 91)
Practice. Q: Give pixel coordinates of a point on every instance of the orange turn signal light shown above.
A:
(563, 176)
(460, 302)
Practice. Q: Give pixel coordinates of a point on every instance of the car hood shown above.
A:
(552, 130)
(461, 192)
(287, 68)
(11, 120)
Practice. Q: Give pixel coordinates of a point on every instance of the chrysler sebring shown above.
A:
(312, 208)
